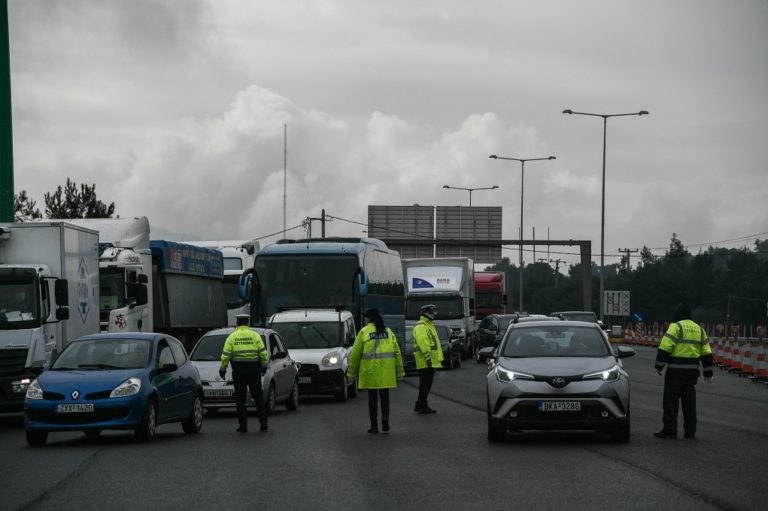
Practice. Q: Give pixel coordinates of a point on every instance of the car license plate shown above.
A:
(305, 379)
(218, 393)
(75, 408)
(559, 406)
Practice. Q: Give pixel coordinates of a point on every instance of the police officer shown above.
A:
(246, 350)
(682, 348)
(376, 363)
(428, 355)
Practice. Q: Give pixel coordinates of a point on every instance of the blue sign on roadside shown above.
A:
(638, 317)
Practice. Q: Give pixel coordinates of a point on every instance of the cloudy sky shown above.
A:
(175, 110)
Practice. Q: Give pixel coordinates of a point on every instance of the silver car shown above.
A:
(280, 383)
(557, 375)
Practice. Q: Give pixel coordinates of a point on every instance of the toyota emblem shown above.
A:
(75, 394)
(558, 382)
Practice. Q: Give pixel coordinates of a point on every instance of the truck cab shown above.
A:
(320, 340)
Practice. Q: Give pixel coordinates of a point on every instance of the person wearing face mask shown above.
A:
(428, 355)
(376, 363)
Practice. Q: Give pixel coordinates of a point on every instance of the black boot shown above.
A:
(385, 425)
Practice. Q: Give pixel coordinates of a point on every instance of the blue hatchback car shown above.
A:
(132, 381)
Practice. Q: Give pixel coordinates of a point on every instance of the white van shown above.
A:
(320, 340)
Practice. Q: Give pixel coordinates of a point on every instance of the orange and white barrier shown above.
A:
(761, 369)
(727, 355)
(736, 365)
(747, 362)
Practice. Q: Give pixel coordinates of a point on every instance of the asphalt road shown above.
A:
(320, 457)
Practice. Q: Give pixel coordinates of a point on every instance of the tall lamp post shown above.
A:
(470, 190)
(602, 209)
(522, 183)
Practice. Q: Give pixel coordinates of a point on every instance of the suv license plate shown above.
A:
(75, 408)
(559, 406)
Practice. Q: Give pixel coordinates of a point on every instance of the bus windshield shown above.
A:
(306, 280)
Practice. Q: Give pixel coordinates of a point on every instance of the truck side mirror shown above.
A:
(142, 278)
(61, 292)
(244, 285)
(62, 313)
(141, 292)
(362, 283)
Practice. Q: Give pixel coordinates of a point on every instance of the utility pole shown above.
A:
(285, 176)
(627, 252)
(7, 212)
(557, 268)
(308, 224)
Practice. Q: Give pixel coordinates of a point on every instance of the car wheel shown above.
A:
(622, 431)
(342, 394)
(271, 399)
(92, 433)
(448, 361)
(293, 400)
(36, 438)
(194, 422)
(146, 431)
(496, 432)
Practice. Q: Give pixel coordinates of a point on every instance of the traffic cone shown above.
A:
(717, 351)
(728, 355)
(748, 364)
(762, 365)
(737, 350)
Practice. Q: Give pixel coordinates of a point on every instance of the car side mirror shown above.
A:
(624, 352)
(279, 355)
(168, 368)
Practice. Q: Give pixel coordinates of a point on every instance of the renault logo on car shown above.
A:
(558, 382)
(75, 394)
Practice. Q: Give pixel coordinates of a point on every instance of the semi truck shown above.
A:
(49, 296)
(490, 293)
(156, 285)
(238, 258)
(187, 292)
(448, 283)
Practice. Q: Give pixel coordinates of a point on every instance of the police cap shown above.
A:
(429, 308)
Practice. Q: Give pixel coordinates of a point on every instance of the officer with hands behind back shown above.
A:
(428, 355)
(682, 348)
(245, 349)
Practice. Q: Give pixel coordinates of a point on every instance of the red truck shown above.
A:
(490, 293)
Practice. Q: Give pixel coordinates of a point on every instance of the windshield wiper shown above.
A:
(97, 366)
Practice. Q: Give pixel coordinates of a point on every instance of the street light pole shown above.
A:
(470, 190)
(522, 188)
(602, 207)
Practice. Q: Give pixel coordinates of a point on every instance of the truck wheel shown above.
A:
(36, 438)
(293, 399)
(146, 431)
(194, 422)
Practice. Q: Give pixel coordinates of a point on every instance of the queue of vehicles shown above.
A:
(306, 298)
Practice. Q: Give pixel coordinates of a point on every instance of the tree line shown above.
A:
(720, 284)
(71, 201)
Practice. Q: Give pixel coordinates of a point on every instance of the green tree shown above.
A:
(25, 208)
(71, 202)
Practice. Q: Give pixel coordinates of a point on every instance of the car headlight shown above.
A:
(331, 359)
(34, 391)
(129, 387)
(611, 374)
(506, 376)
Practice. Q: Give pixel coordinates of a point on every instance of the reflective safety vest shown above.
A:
(375, 360)
(426, 344)
(244, 345)
(683, 346)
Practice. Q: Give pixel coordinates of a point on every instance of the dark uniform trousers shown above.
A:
(373, 396)
(247, 376)
(426, 377)
(680, 387)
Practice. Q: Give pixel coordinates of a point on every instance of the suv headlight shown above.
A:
(129, 387)
(332, 359)
(506, 376)
(611, 374)
(34, 391)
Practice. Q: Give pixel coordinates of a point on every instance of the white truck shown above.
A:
(49, 296)
(448, 283)
(125, 265)
(238, 257)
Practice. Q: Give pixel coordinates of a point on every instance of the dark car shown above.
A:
(557, 375)
(450, 340)
(133, 381)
